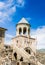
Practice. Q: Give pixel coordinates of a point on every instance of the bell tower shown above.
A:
(2, 36)
(23, 39)
(23, 28)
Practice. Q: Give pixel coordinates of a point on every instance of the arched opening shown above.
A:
(24, 30)
(29, 64)
(29, 31)
(21, 59)
(28, 50)
(20, 30)
(15, 55)
(17, 63)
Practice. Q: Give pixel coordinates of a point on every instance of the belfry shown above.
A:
(23, 28)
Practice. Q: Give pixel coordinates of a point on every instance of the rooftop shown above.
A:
(2, 28)
(23, 20)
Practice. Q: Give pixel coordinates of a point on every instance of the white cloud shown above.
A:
(7, 8)
(9, 36)
(39, 34)
(6, 12)
(4, 17)
(2, 5)
(20, 3)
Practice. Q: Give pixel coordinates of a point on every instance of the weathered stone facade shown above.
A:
(22, 50)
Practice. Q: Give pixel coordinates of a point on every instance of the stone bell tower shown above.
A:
(23, 38)
(23, 32)
(23, 41)
(23, 28)
(2, 36)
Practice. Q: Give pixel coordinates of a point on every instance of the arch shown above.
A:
(29, 63)
(28, 30)
(21, 59)
(17, 63)
(15, 55)
(24, 30)
(20, 30)
(28, 50)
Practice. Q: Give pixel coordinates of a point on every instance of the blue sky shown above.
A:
(11, 11)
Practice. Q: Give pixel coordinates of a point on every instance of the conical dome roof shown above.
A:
(23, 20)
